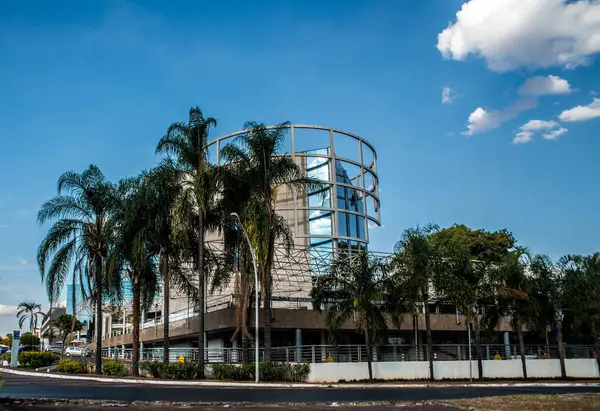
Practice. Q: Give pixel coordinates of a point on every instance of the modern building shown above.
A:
(336, 216)
(78, 302)
(47, 333)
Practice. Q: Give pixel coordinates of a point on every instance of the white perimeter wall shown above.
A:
(414, 370)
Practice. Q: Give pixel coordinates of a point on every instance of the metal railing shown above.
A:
(356, 353)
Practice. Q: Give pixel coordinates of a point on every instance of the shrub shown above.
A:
(272, 371)
(153, 368)
(233, 372)
(113, 368)
(5, 357)
(37, 359)
(180, 371)
(71, 367)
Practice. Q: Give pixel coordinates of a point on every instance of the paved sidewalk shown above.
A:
(234, 384)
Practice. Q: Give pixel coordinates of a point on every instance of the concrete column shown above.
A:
(142, 350)
(298, 345)
(234, 352)
(323, 346)
(507, 345)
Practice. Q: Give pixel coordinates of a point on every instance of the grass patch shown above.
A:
(534, 402)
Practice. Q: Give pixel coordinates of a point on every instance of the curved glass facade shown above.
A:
(337, 216)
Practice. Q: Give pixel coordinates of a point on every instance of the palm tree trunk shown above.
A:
(166, 302)
(98, 278)
(201, 295)
(522, 348)
(245, 340)
(594, 331)
(267, 320)
(135, 359)
(429, 338)
(561, 350)
(369, 359)
(478, 348)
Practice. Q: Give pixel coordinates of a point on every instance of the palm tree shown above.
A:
(83, 230)
(359, 286)
(256, 157)
(549, 293)
(582, 287)
(512, 287)
(187, 145)
(418, 264)
(28, 310)
(132, 255)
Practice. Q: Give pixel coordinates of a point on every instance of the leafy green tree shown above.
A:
(29, 339)
(83, 231)
(482, 245)
(132, 254)
(467, 285)
(187, 145)
(8, 340)
(417, 263)
(29, 311)
(65, 327)
(256, 157)
(359, 287)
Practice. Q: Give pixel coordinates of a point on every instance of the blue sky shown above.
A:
(99, 82)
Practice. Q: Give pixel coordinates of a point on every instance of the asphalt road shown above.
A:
(23, 387)
(220, 408)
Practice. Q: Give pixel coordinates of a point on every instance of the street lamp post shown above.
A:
(252, 253)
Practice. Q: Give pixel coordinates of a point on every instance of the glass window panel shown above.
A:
(361, 227)
(319, 223)
(343, 224)
(341, 203)
(320, 199)
(352, 226)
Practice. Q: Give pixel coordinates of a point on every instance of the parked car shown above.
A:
(74, 352)
(77, 352)
(28, 348)
(55, 348)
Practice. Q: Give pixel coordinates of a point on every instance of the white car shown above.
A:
(74, 352)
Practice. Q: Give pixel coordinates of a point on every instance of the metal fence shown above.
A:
(356, 353)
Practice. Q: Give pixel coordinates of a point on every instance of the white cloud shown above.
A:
(8, 310)
(554, 134)
(511, 34)
(582, 113)
(534, 125)
(481, 120)
(543, 85)
(528, 130)
(448, 95)
(22, 261)
(523, 137)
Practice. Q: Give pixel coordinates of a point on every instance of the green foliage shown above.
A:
(233, 372)
(272, 371)
(113, 368)
(71, 367)
(7, 341)
(180, 371)
(37, 359)
(65, 324)
(153, 368)
(481, 245)
(172, 371)
(29, 339)
(5, 357)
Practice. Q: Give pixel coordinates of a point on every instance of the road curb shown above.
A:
(294, 385)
